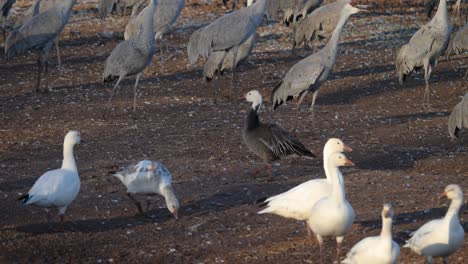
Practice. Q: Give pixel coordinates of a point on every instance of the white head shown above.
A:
(452, 192)
(387, 211)
(249, 2)
(73, 137)
(172, 202)
(336, 145)
(255, 98)
(338, 159)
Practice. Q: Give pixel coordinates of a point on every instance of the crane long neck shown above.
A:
(147, 31)
(332, 44)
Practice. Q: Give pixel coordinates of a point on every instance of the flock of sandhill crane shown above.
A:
(223, 44)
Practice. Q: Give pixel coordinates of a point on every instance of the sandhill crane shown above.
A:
(105, 7)
(226, 33)
(318, 24)
(165, 16)
(132, 56)
(309, 73)
(425, 47)
(39, 7)
(5, 7)
(292, 10)
(39, 33)
(458, 118)
(458, 44)
(122, 5)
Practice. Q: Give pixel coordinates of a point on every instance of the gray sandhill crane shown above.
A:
(425, 47)
(5, 7)
(291, 10)
(105, 7)
(309, 73)
(165, 16)
(39, 33)
(226, 33)
(458, 44)
(319, 24)
(458, 118)
(132, 56)
(136, 5)
(39, 7)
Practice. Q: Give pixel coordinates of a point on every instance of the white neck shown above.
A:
(326, 155)
(386, 233)
(68, 161)
(257, 105)
(338, 192)
(453, 209)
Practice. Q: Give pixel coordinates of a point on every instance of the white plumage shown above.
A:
(57, 188)
(297, 203)
(441, 237)
(377, 249)
(149, 178)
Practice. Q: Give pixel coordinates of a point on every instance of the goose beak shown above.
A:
(387, 213)
(348, 163)
(347, 148)
(442, 195)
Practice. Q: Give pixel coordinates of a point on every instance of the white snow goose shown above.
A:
(297, 203)
(149, 178)
(269, 141)
(57, 188)
(376, 249)
(333, 215)
(441, 237)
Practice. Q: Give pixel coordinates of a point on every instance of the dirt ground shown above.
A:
(403, 154)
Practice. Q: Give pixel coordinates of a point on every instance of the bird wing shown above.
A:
(459, 117)
(364, 246)
(299, 79)
(55, 187)
(419, 237)
(166, 14)
(426, 40)
(281, 142)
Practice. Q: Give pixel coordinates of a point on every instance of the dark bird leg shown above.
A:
(58, 53)
(137, 203)
(320, 241)
(338, 249)
(214, 83)
(233, 68)
(148, 202)
(114, 90)
(45, 63)
(48, 218)
(427, 75)
(311, 109)
(39, 71)
(270, 171)
(161, 54)
(466, 74)
(309, 232)
(445, 260)
(267, 166)
(135, 91)
(298, 108)
(62, 220)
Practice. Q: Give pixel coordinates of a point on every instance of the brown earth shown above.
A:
(403, 154)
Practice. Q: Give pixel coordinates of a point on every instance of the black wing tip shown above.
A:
(24, 198)
(261, 202)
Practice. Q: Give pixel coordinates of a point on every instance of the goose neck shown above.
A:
(68, 161)
(338, 192)
(386, 232)
(454, 208)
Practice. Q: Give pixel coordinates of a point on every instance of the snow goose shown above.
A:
(458, 118)
(441, 237)
(57, 188)
(297, 203)
(269, 141)
(149, 178)
(333, 215)
(377, 249)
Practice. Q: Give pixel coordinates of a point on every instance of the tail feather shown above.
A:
(24, 199)
(261, 202)
(276, 103)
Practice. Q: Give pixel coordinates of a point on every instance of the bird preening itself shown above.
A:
(149, 178)
(458, 118)
(309, 73)
(39, 33)
(441, 237)
(424, 48)
(132, 56)
(57, 188)
(270, 142)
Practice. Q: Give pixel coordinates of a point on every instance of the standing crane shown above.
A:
(226, 33)
(309, 73)
(425, 47)
(132, 56)
(165, 16)
(39, 33)
(5, 6)
(105, 7)
(39, 7)
(292, 10)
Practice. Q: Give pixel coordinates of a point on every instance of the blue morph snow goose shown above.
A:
(269, 141)
(149, 178)
(441, 237)
(57, 188)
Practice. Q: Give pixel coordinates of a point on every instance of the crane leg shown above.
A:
(114, 90)
(39, 71)
(312, 109)
(298, 108)
(161, 55)
(427, 75)
(466, 74)
(58, 53)
(214, 83)
(45, 63)
(135, 91)
(233, 68)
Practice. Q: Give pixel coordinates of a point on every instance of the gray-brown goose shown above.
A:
(269, 141)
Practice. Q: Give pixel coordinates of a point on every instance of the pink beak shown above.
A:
(348, 163)
(347, 148)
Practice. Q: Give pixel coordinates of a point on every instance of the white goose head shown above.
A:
(387, 211)
(172, 202)
(73, 137)
(452, 192)
(336, 145)
(255, 98)
(338, 159)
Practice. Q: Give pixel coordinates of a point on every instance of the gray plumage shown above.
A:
(105, 7)
(136, 5)
(458, 118)
(132, 56)
(291, 10)
(5, 7)
(39, 33)
(309, 73)
(458, 42)
(425, 47)
(318, 24)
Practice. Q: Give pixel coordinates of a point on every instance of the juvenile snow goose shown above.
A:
(269, 141)
(333, 215)
(458, 118)
(377, 249)
(57, 188)
(297, 203)
(149, 178)
(441, 237)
